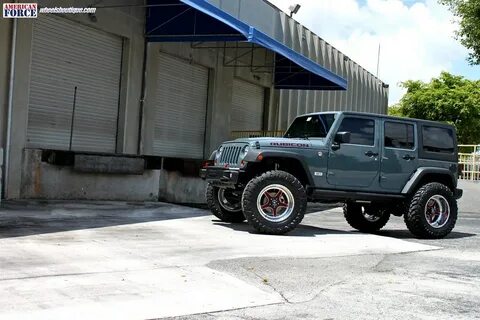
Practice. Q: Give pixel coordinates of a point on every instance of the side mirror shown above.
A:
(342, 137)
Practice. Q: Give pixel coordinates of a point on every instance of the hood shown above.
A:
(266, 142)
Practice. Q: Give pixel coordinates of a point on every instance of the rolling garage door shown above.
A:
(181, 105)
(247, 106)
(67, 55)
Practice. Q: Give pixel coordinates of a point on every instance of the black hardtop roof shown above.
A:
(384, 116)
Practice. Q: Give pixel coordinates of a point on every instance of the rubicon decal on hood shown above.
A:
(289, 145)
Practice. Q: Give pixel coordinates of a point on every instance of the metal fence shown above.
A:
(469, 161)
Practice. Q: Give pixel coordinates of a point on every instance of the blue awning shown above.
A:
(200, 21)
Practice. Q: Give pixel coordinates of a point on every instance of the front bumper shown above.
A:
(221, 177)
(458, 193)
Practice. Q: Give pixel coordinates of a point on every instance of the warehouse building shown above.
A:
(125, 103)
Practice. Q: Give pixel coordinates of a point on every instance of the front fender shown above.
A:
(252, 156)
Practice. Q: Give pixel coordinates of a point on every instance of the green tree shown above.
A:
(468, 12)
(395, 111)
(448, 98)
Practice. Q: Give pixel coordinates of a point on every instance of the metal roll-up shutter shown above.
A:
(180, 108)
(247, 106)
(65, 55)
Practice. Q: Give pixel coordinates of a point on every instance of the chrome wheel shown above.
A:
(275, 203)
(228, 200)
(437, 211)
(370, 217)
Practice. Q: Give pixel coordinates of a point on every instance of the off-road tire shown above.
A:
(218, 211)
(355, 217)
(415, 218)
(252, 191)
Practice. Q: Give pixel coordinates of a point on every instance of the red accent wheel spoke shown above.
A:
(274, 211)
(279, 194)
(266, 206)
(268, 195)
(283, 202)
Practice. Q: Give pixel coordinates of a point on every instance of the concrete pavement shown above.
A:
(141, 261)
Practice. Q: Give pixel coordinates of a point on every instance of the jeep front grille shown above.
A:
(230, 154)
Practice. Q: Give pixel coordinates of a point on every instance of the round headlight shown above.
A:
(218, 154)
(244, 151)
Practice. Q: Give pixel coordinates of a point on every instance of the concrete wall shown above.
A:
(41, 180)
(174, 187)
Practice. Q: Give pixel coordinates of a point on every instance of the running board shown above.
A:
(325, 194)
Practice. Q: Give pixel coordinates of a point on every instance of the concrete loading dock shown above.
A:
(143, 92)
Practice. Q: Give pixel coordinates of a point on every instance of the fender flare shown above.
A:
(415, 179)
(252, 157)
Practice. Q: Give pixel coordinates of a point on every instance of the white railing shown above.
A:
(469, 161)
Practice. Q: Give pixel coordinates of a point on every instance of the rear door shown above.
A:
(399, 154)
(355, 165)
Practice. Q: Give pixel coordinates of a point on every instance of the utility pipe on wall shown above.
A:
(10, 106)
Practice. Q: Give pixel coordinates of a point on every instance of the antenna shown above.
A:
(378, 59)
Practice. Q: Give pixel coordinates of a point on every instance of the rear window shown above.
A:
(437, 139)
(399, 135)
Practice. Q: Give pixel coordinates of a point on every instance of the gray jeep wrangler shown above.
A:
(376, 165)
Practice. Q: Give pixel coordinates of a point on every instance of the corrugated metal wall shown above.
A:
(365, 93)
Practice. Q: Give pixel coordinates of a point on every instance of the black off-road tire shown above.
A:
(415, 218)
(219, 211)
(354, 213)
(252, 191)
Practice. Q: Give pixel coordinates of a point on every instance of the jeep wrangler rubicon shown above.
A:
(376, 165)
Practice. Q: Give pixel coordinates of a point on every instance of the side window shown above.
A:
(399, 135)
(362, 131)
(437, 139)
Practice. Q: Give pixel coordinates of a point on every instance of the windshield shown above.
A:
(313, 126)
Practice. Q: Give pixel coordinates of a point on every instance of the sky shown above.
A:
(416, 37)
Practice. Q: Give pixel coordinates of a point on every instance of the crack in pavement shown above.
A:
(281, 294)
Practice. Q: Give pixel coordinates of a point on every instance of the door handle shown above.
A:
(371, 154)
(408, 157)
